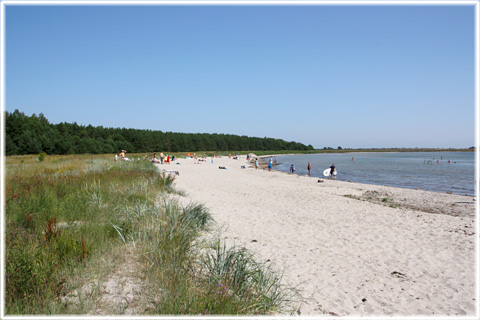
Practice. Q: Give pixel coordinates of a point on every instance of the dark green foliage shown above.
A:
(34, 134)
(42, 156)
(10, 146)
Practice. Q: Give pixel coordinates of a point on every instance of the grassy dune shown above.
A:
(73, 222)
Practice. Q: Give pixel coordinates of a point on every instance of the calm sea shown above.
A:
(397, 169)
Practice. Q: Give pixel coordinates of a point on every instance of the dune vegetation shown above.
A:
(87, 235)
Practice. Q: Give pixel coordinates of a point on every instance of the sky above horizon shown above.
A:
(350, 76)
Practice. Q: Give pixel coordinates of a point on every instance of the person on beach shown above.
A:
(292, 169)
(161, 157)
(270, 165)
(332, 170)
(309, 167)
(256, 163)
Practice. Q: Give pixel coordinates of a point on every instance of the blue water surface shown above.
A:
(423, 170)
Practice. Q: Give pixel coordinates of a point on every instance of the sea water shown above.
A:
(423, 170)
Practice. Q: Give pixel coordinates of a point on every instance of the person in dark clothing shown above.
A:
(332, 170)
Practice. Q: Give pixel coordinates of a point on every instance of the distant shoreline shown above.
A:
(290, 152)
(277, 153)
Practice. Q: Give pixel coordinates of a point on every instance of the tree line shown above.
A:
(35, 134)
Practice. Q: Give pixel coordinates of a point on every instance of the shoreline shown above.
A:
(389, 193)
(351, 248)
(264, 165)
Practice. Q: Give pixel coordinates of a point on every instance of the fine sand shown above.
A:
(352, 249)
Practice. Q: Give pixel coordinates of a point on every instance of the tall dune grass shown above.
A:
(65, 213)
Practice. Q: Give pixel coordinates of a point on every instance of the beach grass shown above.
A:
(73, 223)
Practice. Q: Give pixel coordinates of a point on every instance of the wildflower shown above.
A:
(223, 290)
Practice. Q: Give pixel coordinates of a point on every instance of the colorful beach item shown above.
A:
(326, 172)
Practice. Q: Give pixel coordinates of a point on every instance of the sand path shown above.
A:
(348, 256)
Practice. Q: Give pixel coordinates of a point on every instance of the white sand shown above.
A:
(347, 255)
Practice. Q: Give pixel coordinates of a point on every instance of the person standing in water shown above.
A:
(332, 170)
(309, 167)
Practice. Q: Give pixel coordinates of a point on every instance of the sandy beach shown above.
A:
(352, 249)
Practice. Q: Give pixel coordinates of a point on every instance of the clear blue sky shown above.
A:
(350, 76)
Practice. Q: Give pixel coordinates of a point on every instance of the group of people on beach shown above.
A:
(167, 159)
(161, 159)
(309, 168)
(237, 157)
(273, 161)
(197, 159)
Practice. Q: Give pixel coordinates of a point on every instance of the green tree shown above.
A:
(10, 146)
(29, 143)
(34, 134)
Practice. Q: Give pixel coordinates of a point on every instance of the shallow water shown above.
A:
(397, 169)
